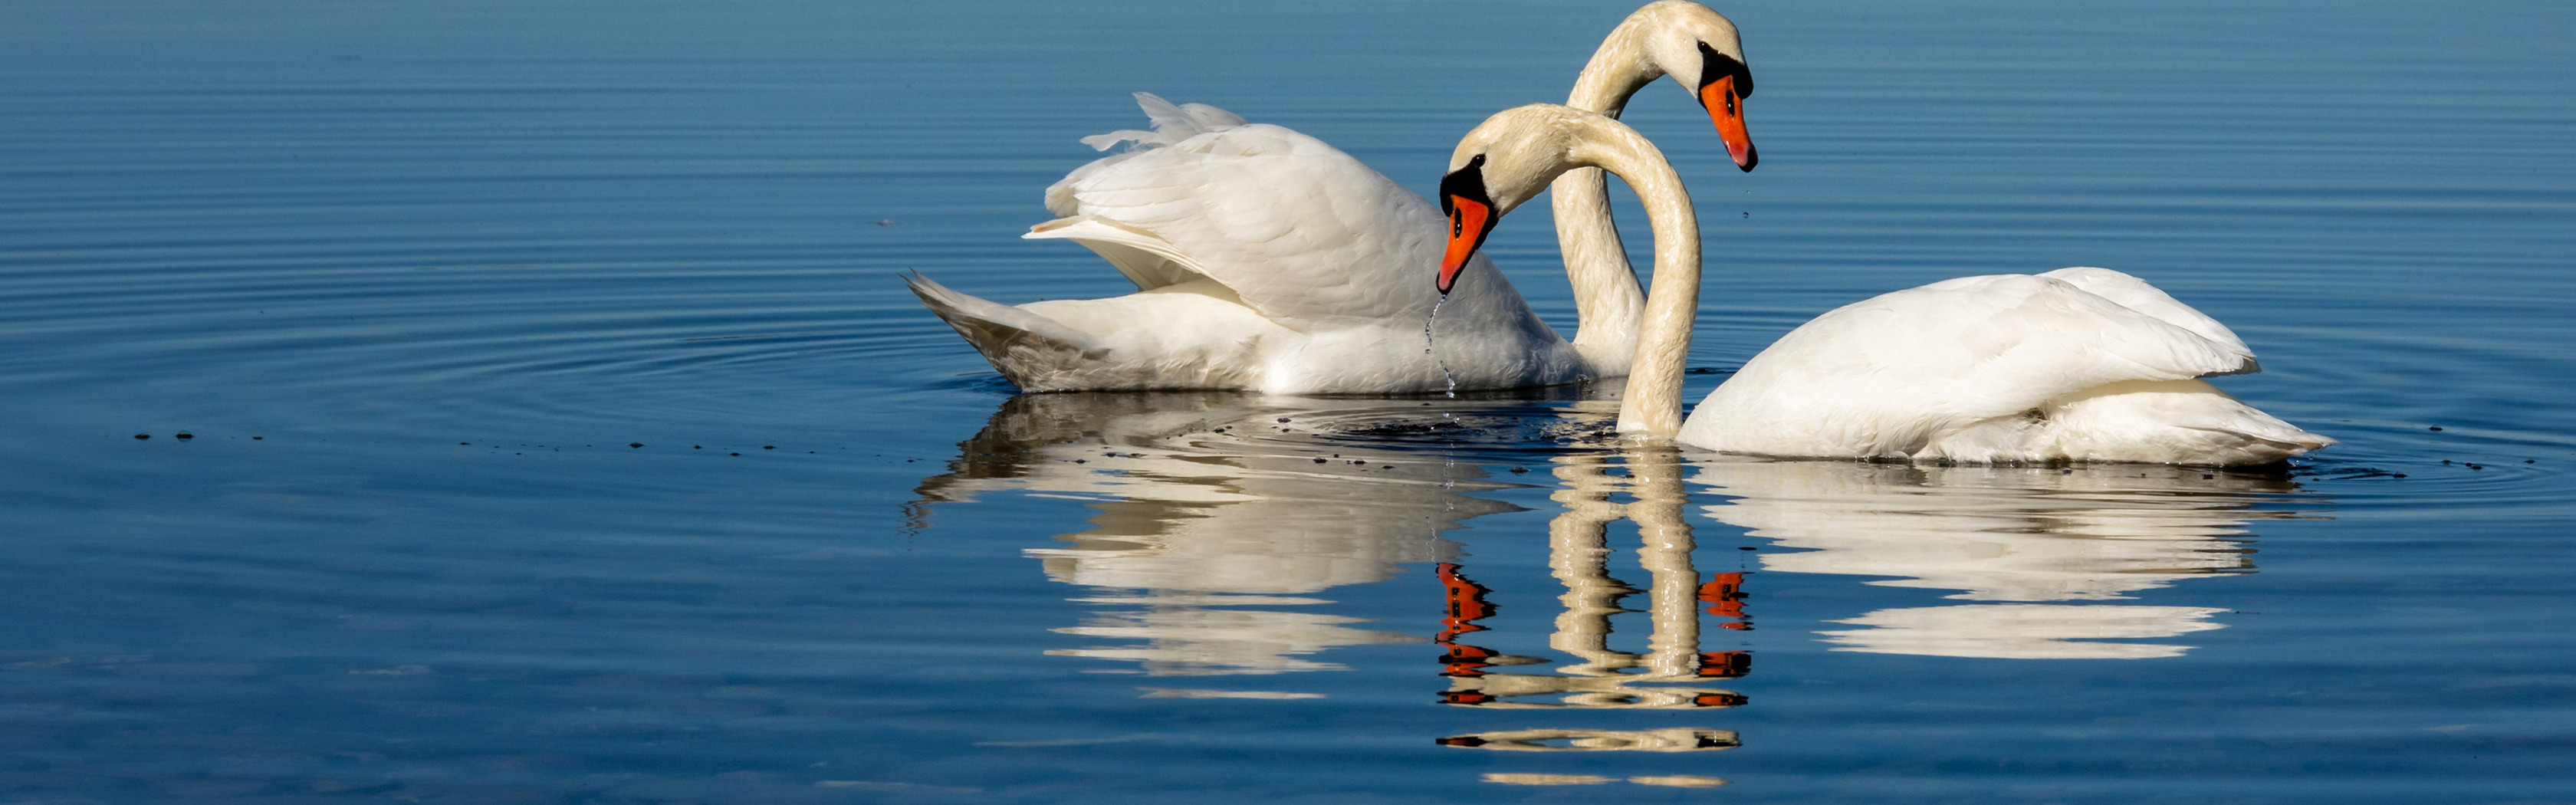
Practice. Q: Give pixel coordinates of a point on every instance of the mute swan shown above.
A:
(1266, 260)
(2083, 364)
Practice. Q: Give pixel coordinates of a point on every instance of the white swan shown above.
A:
(1266, 260)
(2083, 364)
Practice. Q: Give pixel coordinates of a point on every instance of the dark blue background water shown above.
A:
(416, 278)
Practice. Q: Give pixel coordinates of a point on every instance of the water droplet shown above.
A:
(1452, 380)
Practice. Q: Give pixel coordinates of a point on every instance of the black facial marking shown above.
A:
(1714, 65)
(1467, 183)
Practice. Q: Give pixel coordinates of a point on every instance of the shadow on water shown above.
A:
(1215, 516)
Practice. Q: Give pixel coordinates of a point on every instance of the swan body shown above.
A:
(1266, 260)
(2078, 364)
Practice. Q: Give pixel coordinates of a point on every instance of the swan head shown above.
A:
(1503, 163)
(1700, 49)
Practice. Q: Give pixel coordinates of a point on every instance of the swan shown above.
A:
(1266, 260)
(2077, 364)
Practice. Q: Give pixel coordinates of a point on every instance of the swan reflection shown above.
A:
(1670, 675)
(1219, 523)
(1666, 676)
(1217, 513)
(2032, 536)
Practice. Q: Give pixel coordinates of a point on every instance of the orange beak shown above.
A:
(1726, 109)
(1469, 221)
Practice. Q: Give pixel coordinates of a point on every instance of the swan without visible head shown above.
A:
(2073, 364)
(1266, 260)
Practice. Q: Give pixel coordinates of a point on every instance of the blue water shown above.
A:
(559, 430)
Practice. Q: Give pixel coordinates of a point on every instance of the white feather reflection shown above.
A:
(1219, 516)
(2036, 535)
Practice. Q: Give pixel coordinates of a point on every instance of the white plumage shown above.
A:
(2076, 364)
(1264, 260)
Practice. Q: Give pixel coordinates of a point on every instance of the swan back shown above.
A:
(2010, 367)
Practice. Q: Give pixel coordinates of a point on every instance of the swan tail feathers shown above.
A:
(1030, 350)
(2172, 422)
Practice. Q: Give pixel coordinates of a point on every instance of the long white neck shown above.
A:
(1608, 304)
(1652, 404)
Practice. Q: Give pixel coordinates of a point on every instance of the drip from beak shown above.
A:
(1726, 109)
(1469, 221)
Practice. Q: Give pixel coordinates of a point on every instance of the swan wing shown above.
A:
(1883, 376)
(2135, 294)
(1301, 232)
(2002, 343)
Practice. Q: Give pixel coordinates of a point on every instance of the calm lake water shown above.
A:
(558, 428)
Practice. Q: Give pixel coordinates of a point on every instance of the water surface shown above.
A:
(559, 429)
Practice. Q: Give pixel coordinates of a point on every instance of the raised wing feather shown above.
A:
(1303, 233)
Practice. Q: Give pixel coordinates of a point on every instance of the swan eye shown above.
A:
(1714, 65)
(1467, 182)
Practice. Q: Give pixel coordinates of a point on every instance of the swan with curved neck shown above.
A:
(1266, 260)
(1702, 51)
(2082, 364)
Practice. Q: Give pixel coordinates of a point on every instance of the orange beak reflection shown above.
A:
(1726, 109)
(1469, 221)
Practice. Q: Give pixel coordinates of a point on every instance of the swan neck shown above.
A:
(1619, 68)
(1652, 404)
(1608, 303)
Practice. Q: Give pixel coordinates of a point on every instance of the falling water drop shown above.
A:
(1426, 346)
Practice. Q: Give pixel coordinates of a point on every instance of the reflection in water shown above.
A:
(1217, 513)
(1578, 556)
(1667, 677)
(1678, 739)
(2009, 534)
(1220, 515)
(1669, 781)
(1219, 519)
